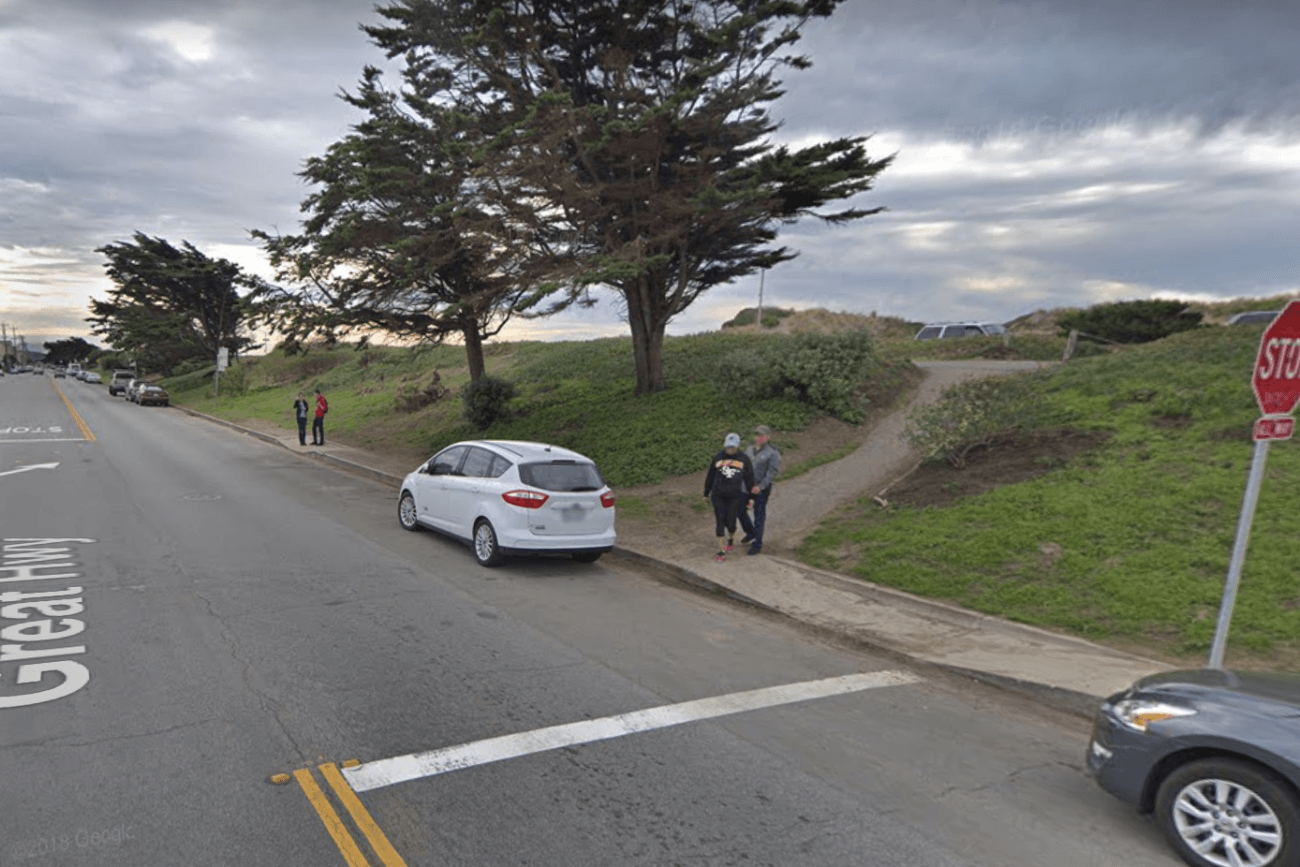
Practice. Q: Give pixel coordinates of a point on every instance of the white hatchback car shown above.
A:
(510, 497)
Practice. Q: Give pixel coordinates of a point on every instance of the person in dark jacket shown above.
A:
(729, 478)
(300, 409)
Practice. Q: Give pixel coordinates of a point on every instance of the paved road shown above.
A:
(222, 611)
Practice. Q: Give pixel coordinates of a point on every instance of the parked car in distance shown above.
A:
(1253, 317)
(946, 330)
(60, 373)
(510, 497)
(93, 378)
(149, 394)
(1215, 755)
(119, 381)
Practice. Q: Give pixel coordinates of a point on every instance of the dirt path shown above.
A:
(674, 512)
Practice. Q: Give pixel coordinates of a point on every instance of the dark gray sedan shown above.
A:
(1215, 755)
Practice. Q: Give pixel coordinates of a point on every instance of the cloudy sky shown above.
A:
(1049, 152)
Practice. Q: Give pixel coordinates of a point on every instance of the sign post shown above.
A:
(1276, 382)
(223, 361)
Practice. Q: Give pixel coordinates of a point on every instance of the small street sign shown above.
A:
(1274, 428)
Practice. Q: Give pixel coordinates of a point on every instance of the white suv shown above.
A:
(510, 497)
(945, 330)
(121, 379)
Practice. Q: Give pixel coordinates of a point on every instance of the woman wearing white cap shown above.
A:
(730, 477)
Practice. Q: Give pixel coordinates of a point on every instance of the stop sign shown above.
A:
(1277, 369)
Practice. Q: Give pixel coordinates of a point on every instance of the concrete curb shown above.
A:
(323, 457)
(949, 613)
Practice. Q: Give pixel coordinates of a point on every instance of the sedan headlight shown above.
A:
(1138, 713)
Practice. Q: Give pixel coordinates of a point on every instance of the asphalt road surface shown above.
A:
(188, 612)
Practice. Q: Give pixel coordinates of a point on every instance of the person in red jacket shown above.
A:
(318, 425)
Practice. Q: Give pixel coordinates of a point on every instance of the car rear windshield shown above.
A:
(561, 476)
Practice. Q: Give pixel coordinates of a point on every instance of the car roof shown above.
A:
(523, 450)
(961, 322)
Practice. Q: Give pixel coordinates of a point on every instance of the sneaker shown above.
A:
(722, 557)
(754, 549)
(731, 546)
(747, 539)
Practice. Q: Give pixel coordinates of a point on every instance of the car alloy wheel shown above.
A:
(1225, 813)
(486, 550)
(406, 511)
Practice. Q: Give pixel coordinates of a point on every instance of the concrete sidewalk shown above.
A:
(1065, 673)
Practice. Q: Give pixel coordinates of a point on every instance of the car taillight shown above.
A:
(607, 499)
(525, 499)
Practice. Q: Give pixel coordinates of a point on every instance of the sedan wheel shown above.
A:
(406, 511)
(486, 550)
(1225, 813)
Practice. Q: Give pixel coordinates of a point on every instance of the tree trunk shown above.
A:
(473, 351)
(647, 339)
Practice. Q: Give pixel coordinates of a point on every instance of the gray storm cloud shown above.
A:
(1049, 152)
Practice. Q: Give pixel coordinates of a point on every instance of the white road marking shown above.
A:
(4, 441)
(29, 467)
(401, 769)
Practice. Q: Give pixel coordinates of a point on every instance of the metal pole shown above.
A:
(1238, 553)
(758, 321)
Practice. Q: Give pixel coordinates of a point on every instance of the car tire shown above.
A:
(406, 512)
(486, 550)
(1228, 803)
(587, 556)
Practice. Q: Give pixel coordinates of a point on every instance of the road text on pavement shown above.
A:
(44, 615)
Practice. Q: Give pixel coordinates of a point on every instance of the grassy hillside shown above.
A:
(1129, 543)
(575, 394)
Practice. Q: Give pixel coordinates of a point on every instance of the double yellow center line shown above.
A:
(76, 416)
(335, 825)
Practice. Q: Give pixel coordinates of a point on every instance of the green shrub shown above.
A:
(190, 365)
(827, 370)
(772, 317)
(971, 413)
(1139, 321)
(234, 380)
(487, 400)
(748, 374)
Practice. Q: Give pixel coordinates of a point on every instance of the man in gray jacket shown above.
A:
(767, 464)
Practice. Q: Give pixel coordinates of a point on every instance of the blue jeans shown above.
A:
(755, 527)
